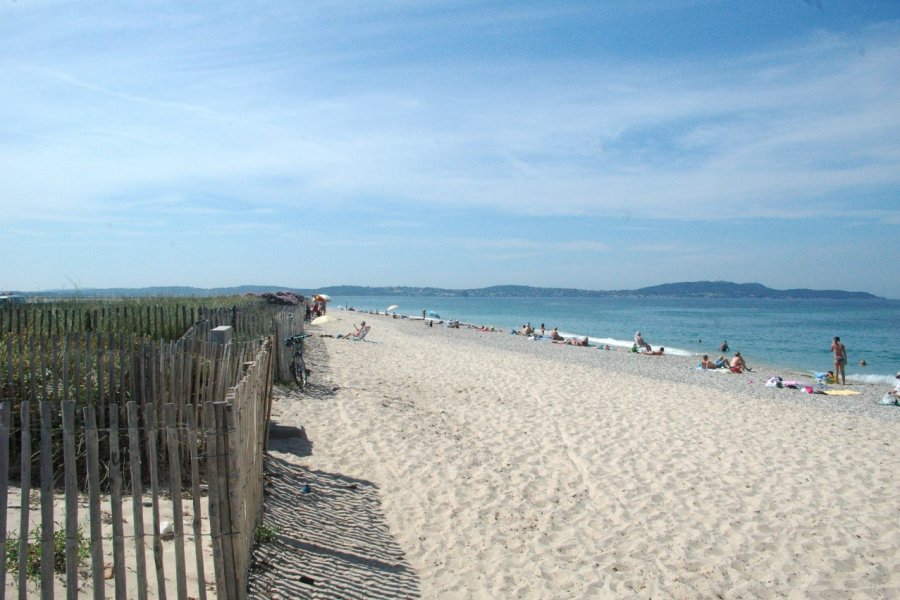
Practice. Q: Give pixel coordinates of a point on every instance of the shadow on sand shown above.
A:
(331, 538)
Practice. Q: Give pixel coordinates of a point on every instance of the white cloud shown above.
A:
(779, 134)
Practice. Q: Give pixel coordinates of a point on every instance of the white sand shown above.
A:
(85, 581)
(454, 463)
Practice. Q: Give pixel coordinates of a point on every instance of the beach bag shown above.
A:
(888, 400)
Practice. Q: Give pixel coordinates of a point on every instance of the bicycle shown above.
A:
(298, 363)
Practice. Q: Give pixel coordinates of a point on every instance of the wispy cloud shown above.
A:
(783, 133)
(515, 131)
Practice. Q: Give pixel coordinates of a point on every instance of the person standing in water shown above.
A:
(840, 359)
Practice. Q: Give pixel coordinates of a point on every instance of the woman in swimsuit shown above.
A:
(840, 359)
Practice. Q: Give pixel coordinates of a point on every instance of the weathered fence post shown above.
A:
(115, 492)
(46, 500)
(195, 497)
(71, 483)
(4, 481)
(150, 423)
(137, 500)
(224, 501)
(92, 446)
(25, 460)
(175, 491)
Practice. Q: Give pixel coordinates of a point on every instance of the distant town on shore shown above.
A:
(694, 289)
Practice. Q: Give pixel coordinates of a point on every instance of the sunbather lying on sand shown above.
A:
(705, 363)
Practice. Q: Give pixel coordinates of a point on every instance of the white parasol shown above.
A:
(391, 307)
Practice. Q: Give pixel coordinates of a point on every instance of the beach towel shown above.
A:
(841, 392)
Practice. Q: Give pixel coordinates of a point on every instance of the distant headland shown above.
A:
(692, 289)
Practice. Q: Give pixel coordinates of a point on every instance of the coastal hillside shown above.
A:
(695, 289)
(727, 289)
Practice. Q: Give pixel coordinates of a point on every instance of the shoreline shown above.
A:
(681, 368)
(451, 463)
(882, 374)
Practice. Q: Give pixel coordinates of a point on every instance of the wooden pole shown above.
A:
(4, 489)
(47, 537)
(25, 456)
(197, 521)
(115, 492)
(137, 499)
(175, 491)
(71, 482)
(224, 504)
(92, 445)
(150, 421)
(215, 525)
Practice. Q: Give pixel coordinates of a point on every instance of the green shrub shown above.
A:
(33, 552)
(266, 534)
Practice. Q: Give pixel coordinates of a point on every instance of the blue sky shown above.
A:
(597, 145)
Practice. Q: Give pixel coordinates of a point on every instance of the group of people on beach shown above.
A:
(554, 335)
(736, 364)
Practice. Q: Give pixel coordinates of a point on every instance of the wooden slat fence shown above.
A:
(152, 321)
(93, 421)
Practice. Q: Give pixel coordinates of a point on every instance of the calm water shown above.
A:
(793, 334)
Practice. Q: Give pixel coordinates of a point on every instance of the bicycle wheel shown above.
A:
(298, 370)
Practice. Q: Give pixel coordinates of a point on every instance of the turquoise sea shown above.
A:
(791, 334)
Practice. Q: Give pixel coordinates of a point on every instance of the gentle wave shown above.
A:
(872, 379)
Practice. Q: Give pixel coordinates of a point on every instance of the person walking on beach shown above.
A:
(840, 359)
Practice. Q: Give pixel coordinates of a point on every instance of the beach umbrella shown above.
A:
(322, 298)
(391, 307)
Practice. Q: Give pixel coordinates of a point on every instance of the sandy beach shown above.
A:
(454, 463)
